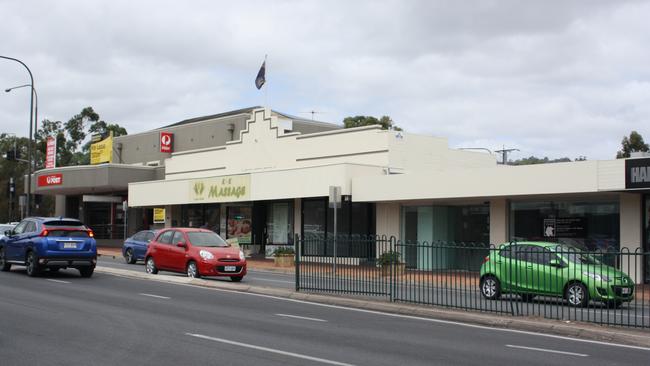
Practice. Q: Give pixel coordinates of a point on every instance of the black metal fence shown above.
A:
(549, 280)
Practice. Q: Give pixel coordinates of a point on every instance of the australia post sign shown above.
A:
(50, 180)
(637, 173)
(166, 140)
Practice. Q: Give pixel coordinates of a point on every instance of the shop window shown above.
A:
(279, 223)
(585, 225)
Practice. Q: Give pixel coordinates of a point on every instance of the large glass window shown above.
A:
(586, 225)
(279, 223)
(204, 216)
(429, 233)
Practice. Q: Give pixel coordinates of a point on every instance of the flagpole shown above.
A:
(266, 90)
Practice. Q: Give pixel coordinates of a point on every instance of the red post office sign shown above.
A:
(166, 140)
(50, 180)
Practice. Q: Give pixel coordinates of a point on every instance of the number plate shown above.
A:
(625, 290)
(229, 268)
(69, 245)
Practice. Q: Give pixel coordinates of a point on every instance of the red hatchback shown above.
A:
(197, 252)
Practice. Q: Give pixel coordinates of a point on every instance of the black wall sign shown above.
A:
(637, 173)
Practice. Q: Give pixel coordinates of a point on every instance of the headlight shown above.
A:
(206, 255)
(596, 276)
(242, 256)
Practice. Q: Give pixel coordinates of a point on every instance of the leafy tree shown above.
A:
(630, 144)
(73, 147)
(545, 160)
(385, 122)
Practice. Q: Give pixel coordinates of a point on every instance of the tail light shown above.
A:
(44, 232)
(91, 234)
(486, 259)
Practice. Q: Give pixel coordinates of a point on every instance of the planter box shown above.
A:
(284, 260)
(397, 269)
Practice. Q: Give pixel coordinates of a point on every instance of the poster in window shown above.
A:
(240, 224)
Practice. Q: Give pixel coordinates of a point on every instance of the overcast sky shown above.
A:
(551, 78)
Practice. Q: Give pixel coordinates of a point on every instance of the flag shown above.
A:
(261, 76)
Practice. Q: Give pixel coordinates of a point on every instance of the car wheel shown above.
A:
(33, 269)
(129, 257)
(86, 272)
(236, 279)
(527, 297)
(150, 266)
(577, 295)
(192, 270)
(4, 266)
(490, 288)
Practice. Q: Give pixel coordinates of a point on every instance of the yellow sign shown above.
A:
(223, 189)
(102, 152)
(158, 215)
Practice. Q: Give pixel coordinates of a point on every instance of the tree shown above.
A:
(385, 122)
(535, 160)
(73, 147)
(631, 144)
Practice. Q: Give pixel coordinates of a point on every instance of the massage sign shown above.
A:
(222, 189)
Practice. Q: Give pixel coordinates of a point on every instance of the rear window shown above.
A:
(206, 239)
(66, 223)
(68, 233)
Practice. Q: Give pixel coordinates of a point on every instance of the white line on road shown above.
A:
(267, 280)
(259, 348)
(157, 296)
(57, 281)
(376, 312)
(548, 350)
(302, 317)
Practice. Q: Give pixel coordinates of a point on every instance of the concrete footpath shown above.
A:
(579, 330)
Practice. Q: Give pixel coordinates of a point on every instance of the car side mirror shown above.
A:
(556, 263)
(9, 233)
(181, 244)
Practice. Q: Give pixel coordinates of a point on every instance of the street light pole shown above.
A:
(31, 134)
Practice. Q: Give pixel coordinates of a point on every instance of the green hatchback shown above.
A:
(530, 269)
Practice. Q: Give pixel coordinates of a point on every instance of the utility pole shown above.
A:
(504, 154)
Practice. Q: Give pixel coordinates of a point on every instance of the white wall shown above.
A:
(631, 226)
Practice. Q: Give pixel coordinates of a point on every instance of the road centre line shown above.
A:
(58, 281)
(156, 296)
(267, 280)
(376, 312)
(548, 350)
(301, 317)
(270, 350)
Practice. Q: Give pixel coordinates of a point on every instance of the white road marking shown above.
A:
(260, 348)
(302, 317)
(412, 317)
(57, 281)
(267, 280)
(157, 296)
(548, 350)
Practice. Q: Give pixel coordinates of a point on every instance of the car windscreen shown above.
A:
(68, 233)
(206, 239)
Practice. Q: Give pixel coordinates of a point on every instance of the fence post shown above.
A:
(297, 261)
(391, 289)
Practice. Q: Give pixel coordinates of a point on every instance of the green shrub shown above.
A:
(284, 251)
(390, 257)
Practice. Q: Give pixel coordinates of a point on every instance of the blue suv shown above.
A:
(52, 243)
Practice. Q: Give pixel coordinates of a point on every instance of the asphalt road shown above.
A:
(635, 313)
(62, 319)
